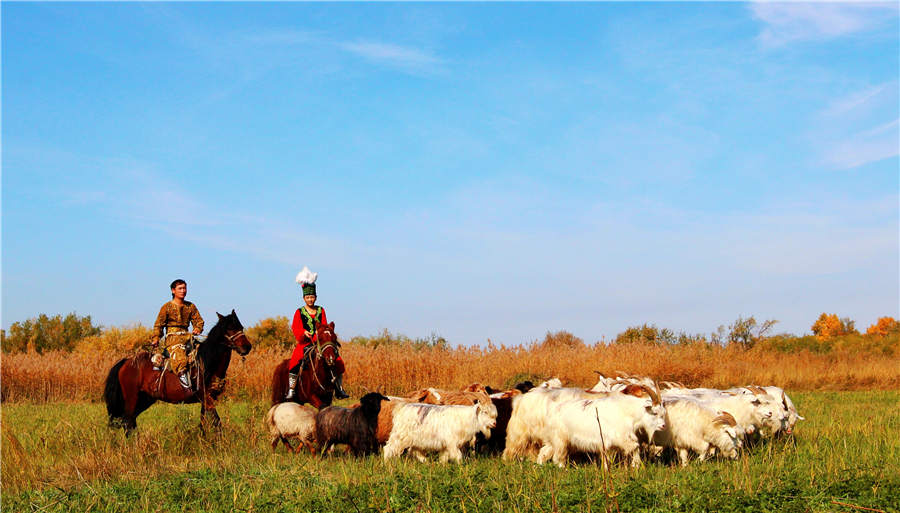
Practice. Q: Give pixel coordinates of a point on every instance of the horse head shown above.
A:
(234, 333)
(327, 343)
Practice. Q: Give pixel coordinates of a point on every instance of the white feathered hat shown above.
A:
(307, 280)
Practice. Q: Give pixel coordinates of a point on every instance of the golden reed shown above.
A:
(396, 369)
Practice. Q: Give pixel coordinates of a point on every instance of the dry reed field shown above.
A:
(62, 376)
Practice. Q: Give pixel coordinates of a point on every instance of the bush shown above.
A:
(45, 333)
(521, 377)
(787, 343)
(887, 345)
(560, 339)
(854, 343)
(648, 333)
(116, 340)
(386, 338)
(272, 332)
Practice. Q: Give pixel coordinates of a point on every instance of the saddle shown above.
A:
(161, 360)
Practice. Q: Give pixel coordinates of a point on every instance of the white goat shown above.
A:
(751, 412)
(598, 425)
(690, 426)
(525, 431)
(290, 421)
(438, 428)
(551, 383)
(792, 415)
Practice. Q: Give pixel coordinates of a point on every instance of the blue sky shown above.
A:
(479, 171)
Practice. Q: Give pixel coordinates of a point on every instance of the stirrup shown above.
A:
(339, 387)
(185, 380)
(292, 382)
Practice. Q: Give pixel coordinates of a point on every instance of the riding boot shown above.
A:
(185, 380)
(339, 387)
(292, 381)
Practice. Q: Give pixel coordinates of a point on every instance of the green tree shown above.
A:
(746, 332)
(648, 333)
(45, 333)
(272, 332)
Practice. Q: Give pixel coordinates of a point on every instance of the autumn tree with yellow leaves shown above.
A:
(272, 332)
(883, 327)
(829, 326)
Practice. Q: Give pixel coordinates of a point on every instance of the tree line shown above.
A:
(829, 332)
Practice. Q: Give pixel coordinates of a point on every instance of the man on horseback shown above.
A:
(174, 317)
(307, 319)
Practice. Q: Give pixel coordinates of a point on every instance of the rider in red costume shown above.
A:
(306, 319)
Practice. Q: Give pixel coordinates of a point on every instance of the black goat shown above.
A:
(497, 442)
(352, 426)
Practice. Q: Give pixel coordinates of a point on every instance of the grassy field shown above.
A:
(61, 457)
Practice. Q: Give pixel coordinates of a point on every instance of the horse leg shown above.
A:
(144, 401)
(205, 421)
(208, 406)
(131, 391)
(130, 416)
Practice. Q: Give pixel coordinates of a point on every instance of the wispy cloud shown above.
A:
(401, 57)
(854, 101)
(879, 143)
(785, 23)
(858, 129)
(411, 59)
(246, 56)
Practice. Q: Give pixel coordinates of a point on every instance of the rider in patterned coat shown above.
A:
(174, 317)
(306, 319)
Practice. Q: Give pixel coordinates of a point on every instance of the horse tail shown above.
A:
(279, 382)
(115, 399)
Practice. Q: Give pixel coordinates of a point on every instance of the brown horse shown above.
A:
(315, 382)
(133, 385)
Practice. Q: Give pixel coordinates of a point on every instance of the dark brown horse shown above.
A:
(315, 382)
(133, 385)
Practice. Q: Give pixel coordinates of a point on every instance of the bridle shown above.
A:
(319, 351)
(233, 340)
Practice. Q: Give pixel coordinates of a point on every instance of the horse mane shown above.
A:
(140, 358)
(212, 348)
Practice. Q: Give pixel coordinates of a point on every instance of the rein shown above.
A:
(231, 338)
(319, 350)
(197, 361)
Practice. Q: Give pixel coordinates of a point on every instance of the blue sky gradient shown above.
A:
(479, 171)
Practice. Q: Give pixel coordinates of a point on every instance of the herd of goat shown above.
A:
(625, 417)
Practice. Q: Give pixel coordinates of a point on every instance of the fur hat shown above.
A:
(307, 280)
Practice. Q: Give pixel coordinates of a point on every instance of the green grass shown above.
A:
(61, 457)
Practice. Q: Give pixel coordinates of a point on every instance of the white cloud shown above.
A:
(790, 22)
(406, 58)
(403, 57)
(855, 101)
(857, 129)
(879, 143)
